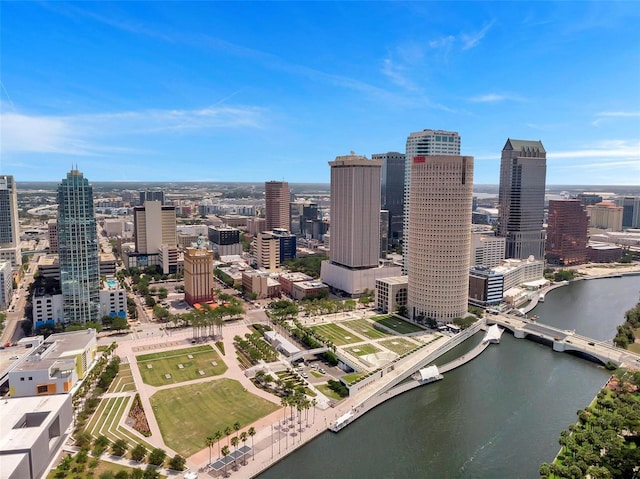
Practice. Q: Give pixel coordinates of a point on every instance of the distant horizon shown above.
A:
(211, 90)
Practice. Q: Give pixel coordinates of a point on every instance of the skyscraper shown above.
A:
(156, 239)
(392, 192)
(523, 171)
(567, 232)
(277, 197)
(198, 276)
(78, 250)
(425, 143)
(9, 226)
(355, 226)
(439, 236)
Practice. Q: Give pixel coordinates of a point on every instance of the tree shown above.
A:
(119, 447)
(83, 439)
(157, 456)
(243, 438)
(234, 443)
(252, 432)
(151, 473)
(122, 475)
(138, 453)
(227, 433)
(119, 323)
(225, 453)
(217, 436)
(178, 462)
(209, 442)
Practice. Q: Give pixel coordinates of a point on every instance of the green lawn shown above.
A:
(101, 468)
(316, 374)
(168, 363)
(353, 377)
(327, 391)
(399, 345)
(396, 324)
(363, 349)
(337, 335)
(188, 414)
(123, 381)
(365, 328)
(634, 348)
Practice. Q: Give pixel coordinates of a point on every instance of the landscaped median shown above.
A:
(170, 367)
(187, 415)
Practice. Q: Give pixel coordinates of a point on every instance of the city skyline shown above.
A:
(156, 91)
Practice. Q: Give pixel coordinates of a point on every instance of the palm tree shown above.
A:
(225, 453)
(227, 433)
(314, 403)
(252, 432)
(243, 438)
(217, 436)
(284, 402)
(236, 428)
(210, 441)
(234, 443)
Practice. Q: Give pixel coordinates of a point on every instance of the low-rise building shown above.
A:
(603, 253)
(288, 279)
(391, 293)
(31, 432)
(260, 283)
(55, 365)
(113, 299)
(309, 289)
(519, 271)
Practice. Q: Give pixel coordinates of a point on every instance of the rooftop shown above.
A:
(519, 145)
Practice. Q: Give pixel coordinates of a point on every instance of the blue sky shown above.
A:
(237, 91)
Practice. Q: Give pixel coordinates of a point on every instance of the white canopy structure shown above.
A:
(493, 334)
(430, 373)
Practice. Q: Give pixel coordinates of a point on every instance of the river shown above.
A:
(499, 416)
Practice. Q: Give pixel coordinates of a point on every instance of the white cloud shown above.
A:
(605, 149)
(86, 134)
(607, 115)
(471, 40)
(443, 42)
(495, 97)
(397, 74)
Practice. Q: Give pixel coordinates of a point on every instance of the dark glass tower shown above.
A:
(523, 171)
(78, 250)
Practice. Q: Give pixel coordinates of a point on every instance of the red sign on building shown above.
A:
(418, 159)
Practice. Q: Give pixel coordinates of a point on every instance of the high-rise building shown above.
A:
(267, 251)
(523, 171)
(439, 236)
(151, 196)
(288, 244)
(355, 211)
(154, 225)
(277, 197)
(355, 226)
(392, 192)
(9, 225)
(198, 276)
(630, 211)
(567, 226)
(605, 215)
(52, 234)
(78, 250)
(424, 143)
(486, 249)
(6, 284)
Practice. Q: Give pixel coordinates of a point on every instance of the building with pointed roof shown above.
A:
(523, 171)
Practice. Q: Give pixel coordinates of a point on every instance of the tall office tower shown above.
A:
(355, 226)
(154, 225)
(151, 196)
(198, 276)
(9, 226)
(630, 211)
(439, 236)
(392, 192)
(78, 250)
(277, 198)
(424, 143)
(384, 233)
(523, 171)
(355, 211)
(567, 226)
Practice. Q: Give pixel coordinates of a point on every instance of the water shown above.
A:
(499, 416)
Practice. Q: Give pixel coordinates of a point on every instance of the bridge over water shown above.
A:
(565, 340)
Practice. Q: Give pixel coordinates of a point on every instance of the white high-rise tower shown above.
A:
(425, 143)
(439, 236)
